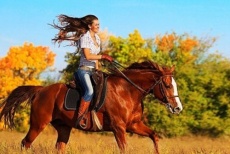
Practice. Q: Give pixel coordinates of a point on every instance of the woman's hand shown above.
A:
(106, 57)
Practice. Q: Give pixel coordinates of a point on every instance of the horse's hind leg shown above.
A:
(141, 129)
(63, 134)
(38, 121)
(33, 132)
(119, 133)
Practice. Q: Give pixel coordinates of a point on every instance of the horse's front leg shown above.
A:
(141, 129)
(60, 146)
(119, 133)
(63, 135)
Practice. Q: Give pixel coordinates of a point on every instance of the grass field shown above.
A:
(95, 143)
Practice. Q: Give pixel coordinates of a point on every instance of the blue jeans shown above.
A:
(83, 77)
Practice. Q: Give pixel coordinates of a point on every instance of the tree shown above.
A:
(202, 79)
(129, 50)
(23, 66)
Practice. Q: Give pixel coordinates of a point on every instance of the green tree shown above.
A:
(72, 60)
(202, 78)
(129, 50)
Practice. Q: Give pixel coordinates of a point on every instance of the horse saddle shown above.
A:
(74, 92)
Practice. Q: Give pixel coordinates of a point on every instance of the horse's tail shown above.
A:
(12, 102)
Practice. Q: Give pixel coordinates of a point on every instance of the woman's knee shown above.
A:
(88, 94)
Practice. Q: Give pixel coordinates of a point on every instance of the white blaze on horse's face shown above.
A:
(179, 105)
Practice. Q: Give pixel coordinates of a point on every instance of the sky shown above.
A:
(27, 21)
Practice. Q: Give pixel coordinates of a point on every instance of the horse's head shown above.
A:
(165, 90)
(164, 86)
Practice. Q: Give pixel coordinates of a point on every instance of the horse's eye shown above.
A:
(168, 86)
(167, 83)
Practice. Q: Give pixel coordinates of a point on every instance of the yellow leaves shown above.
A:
(23, 65)
(5, 62)
(33, 82)
(136, 40)
(131, 49)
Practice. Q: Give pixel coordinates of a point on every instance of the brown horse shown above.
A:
(121, 113)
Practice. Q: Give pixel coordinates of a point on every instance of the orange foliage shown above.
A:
(186, 47)
(188, 44)
(22, 66)
(165, 43)
(182, 45)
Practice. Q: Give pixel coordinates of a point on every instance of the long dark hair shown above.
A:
(71, 28)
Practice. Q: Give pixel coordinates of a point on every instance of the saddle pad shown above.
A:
(72, 99)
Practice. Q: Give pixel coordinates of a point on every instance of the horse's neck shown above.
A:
(144, 79)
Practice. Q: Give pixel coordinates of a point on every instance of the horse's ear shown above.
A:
(161, 69)
(172, 68)
(158, 67)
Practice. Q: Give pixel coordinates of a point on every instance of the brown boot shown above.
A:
(82, 110)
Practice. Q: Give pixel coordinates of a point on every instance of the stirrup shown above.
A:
(78, 123)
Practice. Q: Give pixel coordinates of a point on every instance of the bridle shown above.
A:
(163, 92)
(146, 92)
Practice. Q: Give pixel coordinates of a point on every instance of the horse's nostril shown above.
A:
(177, 109)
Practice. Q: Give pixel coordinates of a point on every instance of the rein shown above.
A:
(130, 81)
(142, 90)
(165, 97)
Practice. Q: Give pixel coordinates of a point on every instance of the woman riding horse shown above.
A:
(84, 34)
(123, 108)
(122, 111)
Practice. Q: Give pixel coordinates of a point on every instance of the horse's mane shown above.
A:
(146, 65)
(149, 65)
